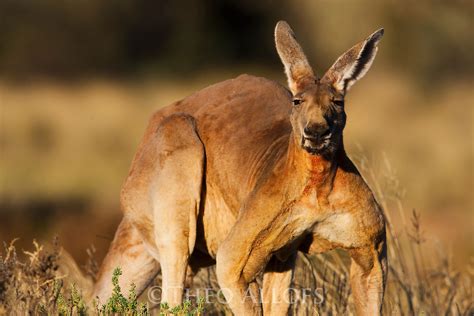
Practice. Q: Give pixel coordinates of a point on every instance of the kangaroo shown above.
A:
(246, 173)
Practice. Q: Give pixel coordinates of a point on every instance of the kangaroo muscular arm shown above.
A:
(367, 248)
(368, 278)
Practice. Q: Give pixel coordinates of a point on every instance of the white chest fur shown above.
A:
(340, 228)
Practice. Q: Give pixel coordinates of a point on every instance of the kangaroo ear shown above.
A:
(297, 68)
(353, 64)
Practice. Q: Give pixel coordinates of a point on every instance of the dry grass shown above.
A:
(32, 285)
(422, 279)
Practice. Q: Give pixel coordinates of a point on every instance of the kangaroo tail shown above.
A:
(72, 274)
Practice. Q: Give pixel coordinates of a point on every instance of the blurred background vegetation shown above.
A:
(78, 80)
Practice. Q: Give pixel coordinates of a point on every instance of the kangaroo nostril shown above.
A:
(326, 133)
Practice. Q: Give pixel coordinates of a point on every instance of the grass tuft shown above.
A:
(118, 303)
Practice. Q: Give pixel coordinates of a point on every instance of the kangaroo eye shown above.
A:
(296, 101)
(338, 102)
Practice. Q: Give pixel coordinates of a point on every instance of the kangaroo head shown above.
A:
(318, 116)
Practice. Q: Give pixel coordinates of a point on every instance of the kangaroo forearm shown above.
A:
(368, 277)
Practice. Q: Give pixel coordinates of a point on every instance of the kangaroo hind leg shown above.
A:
(176, 195)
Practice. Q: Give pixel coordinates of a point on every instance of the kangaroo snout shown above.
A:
(318, 132)
(316, 138)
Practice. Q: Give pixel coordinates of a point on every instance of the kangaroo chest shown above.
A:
(325, 220)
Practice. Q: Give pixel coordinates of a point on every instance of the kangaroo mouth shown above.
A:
(315, 145)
